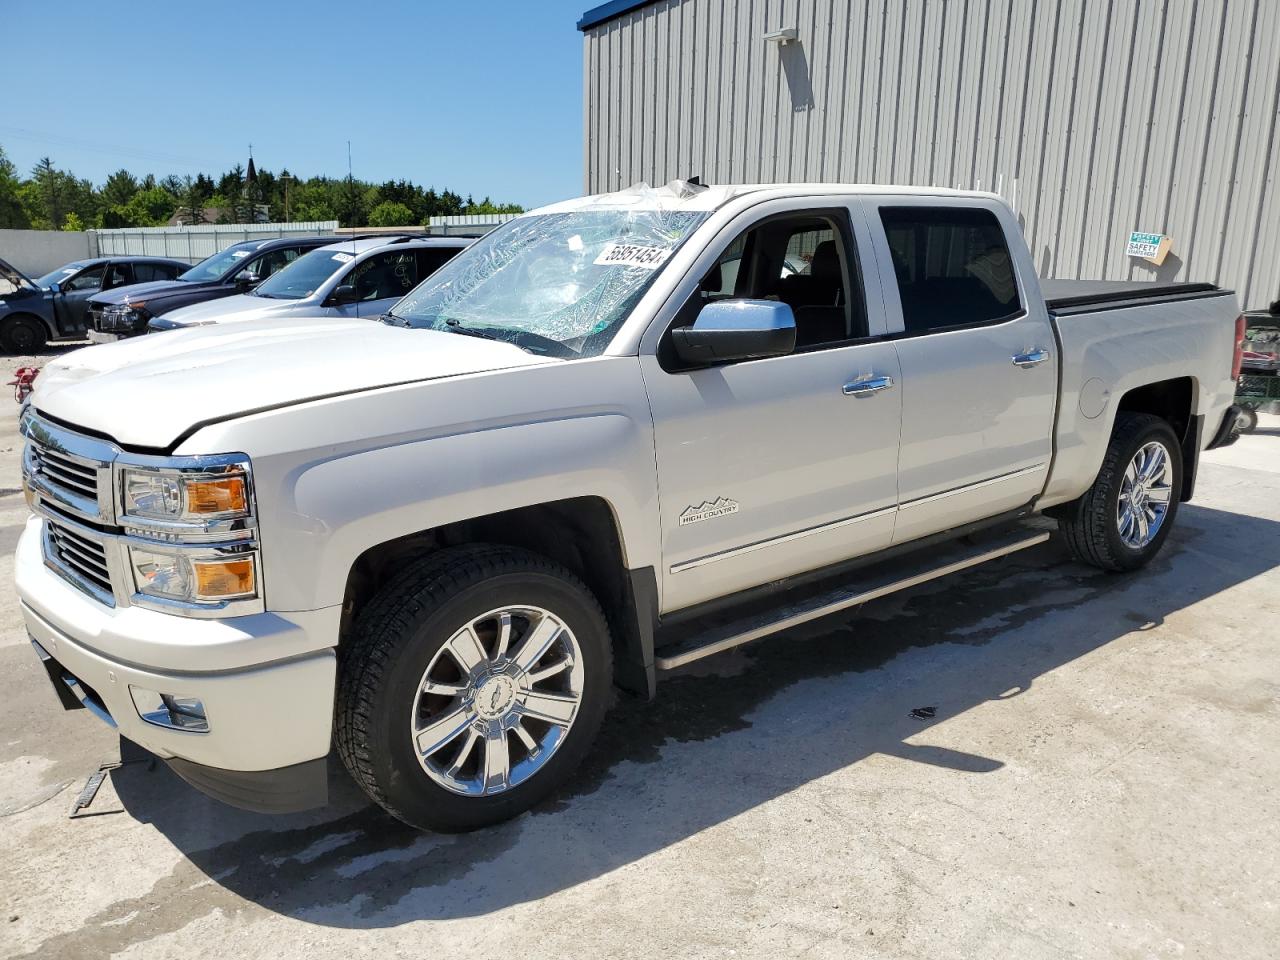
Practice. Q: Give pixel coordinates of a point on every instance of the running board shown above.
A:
(726, 632)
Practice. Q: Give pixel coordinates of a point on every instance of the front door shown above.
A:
(772, 467)
(381, 280)
(71, 303)
(979, 370)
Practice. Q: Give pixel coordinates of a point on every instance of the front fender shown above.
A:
(418, 486)
(339, 476)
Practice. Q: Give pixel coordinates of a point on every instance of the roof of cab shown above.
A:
(682, 195)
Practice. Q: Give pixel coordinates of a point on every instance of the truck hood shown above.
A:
(149, 391)
(233, 309)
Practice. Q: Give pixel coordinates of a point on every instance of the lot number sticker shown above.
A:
(343, 257)
(631, 255)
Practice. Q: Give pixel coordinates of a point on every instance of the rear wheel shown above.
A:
(1122, 521)
(1247, 421)
(22, 335)
(474, 685)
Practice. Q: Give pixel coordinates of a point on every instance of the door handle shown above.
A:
(867, 386)
(1026, 360)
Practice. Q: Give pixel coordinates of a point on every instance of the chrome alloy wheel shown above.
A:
(497, 700)
(1144, 495)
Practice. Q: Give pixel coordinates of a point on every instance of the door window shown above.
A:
(431, 259)
(90, 279)
(952, 265)
(392, 273)
(274, 261)
(802, 260)
(146, 272)
(119, 275)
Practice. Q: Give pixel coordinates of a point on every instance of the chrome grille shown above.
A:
(81, 558)
(69, 470)
(65, 471)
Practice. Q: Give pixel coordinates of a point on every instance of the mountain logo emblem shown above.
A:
(708, 510)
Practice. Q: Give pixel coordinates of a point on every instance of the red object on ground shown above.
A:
(23, 382)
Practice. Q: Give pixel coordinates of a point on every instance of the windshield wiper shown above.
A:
(455, 326)
(393, 320)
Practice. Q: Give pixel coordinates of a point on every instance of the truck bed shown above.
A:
(1067, 297)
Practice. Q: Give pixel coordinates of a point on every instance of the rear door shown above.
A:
(979, 374)
(772, 467)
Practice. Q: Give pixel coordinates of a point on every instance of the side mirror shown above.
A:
(55, 287)
(736, 330)
(246, 279)
(343, 295)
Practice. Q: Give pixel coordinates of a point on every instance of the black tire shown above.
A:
(23, 335)
(1089, 524)
(394, 641)
(1248, 421)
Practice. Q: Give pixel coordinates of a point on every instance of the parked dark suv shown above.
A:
(55, 306)
(237, 269)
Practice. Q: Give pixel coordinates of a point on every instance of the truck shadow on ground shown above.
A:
(748, 728)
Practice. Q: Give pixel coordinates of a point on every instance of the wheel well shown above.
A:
(1170, 400)
(579, 533)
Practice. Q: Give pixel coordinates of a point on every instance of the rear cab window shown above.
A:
(952, 266)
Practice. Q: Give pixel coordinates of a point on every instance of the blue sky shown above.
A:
(479, 97)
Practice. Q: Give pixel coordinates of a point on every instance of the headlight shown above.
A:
(192, 578)
(191, 533)
(125, 315)
(202, 497)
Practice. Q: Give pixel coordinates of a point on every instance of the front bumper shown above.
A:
(267, 720)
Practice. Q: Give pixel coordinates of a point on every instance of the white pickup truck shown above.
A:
(614, 436)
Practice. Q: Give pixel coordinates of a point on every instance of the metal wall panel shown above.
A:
(1092, 117)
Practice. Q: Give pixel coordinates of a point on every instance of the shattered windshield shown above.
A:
(558, 283)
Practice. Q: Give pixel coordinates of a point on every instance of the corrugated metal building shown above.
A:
(1092, 117)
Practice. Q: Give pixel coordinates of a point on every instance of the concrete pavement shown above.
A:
(1098, 779)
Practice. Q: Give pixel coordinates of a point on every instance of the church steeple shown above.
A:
(251, 174)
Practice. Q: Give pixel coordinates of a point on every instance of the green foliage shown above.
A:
(119, 189)
(390, 214)
(13, 215)
(73, 223)
(49, 196)
(191, 207)
(151, 207)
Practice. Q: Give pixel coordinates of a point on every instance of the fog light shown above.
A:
(168, 710)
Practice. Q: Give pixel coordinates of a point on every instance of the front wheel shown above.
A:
(474, 685)
(1122, 521)
(22, 335)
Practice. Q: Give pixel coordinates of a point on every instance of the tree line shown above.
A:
(49, 198)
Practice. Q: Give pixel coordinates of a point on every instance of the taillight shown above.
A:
(1238, 358)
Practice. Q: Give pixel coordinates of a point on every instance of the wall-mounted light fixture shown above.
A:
(782, 37)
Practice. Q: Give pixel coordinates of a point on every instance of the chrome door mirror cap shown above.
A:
(736, 330)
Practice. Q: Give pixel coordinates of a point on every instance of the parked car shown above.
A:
(1262, 340)
(575, 457)
(237, 269)
(354, 278)
(55, 306)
